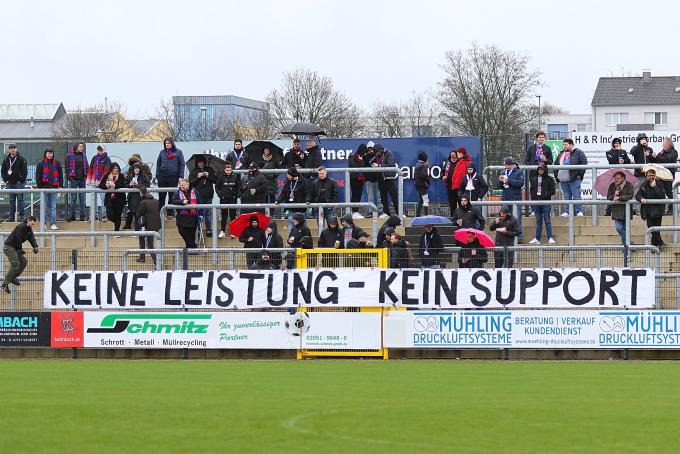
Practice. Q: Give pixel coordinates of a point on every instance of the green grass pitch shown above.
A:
(338, 406)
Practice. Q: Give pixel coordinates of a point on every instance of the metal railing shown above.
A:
(227, 258)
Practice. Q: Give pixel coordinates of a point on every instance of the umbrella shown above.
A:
(304, 129)
(212, 161)
(238, 225)
(603, 181)
(255, 148)
(485, 240)
(431, 220)
(662, 173)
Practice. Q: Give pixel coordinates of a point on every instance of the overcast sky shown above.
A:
(137, 52)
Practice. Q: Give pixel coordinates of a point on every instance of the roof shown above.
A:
(220, 100)
(24, 112)
(143, 126)
(616, 91)
(22, 130)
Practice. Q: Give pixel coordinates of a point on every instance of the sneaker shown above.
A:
(71, 218)
(532, 214)
(232, 236)
(208, 234)
(105, 219)
(580, 213)
(552, 240)
(357, 215)
(221, 235)
(141, 260)
(116, 236)
(384, 216)
(564, 215)
(535, 241)
(54, 227)
(15, 282)
(5, 287)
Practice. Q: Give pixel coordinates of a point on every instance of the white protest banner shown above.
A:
(344, 287)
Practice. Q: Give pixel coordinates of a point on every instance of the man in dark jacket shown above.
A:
(642, 154)
(538, 152)
(506, 228)
(468, 217)
(352, 232)
(387, 179)
(472, 254)
(295, 157)
(570, 180)
(252, 237)
(473, 184)
(392, 222)
(357, 180)
(421, 181)
(667, 155)
(325, 190)
(619, 192)
(76, 172)
(15, 253)
(298, 231)
(268, 161)
(273, 240)
(616, 155)
(14, 174)
(254, 190)
(149, 220)
(372, 186)
(238, 157)
(264, 263)
(294, 191)
(228, 187)
(652, 189)
(431, 245)
(399, 252)
(313, 160)
(511, 181)
(542, 188)
(202, 178)
(169, 168)
(331, 236)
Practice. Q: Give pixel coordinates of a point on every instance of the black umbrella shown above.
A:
(211, 161)
(255, 148)
(303, 129)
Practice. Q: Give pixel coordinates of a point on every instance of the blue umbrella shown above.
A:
(431, 219)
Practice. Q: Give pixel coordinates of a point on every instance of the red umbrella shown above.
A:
(603, 181)
(485, 240)
(238, 225)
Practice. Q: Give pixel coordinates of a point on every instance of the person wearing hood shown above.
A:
(254, 189)
(114, 201)
(331, 236)
(357, 180)
(14, 174)
(399, 252)
(392, 222)
(386, 180)
(351, 231)
(616, 155)
(570, 180)
(265, 262)
(295, 190)
(298, 230)
(135, 180)
(273, 240)
(372, 186)
(187, 218)
(136, 158)
(148, 219)
(642, 154)
(511, 181)
(542, 188)
(202, 178)
(169, 169)
(447, 177)
(228, 187)
(454, 171)
(99, 166)
(667, 155)
(295, 157)
(48, 175)
(252, 237)
(268, 162)
(238, 156)
(431, 245)
(473, 184)
(76, 173)
(506, 228)
(468, 217)
(421, 181)
(472, 254)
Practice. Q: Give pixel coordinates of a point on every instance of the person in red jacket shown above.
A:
(460, 170)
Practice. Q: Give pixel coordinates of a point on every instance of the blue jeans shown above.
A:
(373, 194)
(13, 198)
(207, 217)
(572, 191)
(620, 226)
(74, 196)
(542, 213)
(50, 201)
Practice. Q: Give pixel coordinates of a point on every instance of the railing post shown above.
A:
(374, 227)
(593, 193)
(106, 252)
(400, 207)
(93, 216)
(213, 226)
(627, 223)
(74, 259)
(348, 191)
(163, 211)
(571, 224)
(53, 251)
(42, 217)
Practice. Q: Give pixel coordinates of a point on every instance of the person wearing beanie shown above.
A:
(254, 188)
(76, 173)
(372, 187)
(616, 155)
(252, 237)
(352, 232)
(642, 154)
(421, 180)
(392, 222)
(667, 155)
(169, 169)
(202, 178)
(228, 188)
(136, 158)
(542, 188)
(273, 240)
(295, 190)
(473, 184)
(265, 262)
(48, 175)
(506, 228)
(511, 182)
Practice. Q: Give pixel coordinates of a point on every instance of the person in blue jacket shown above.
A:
(169, 168)
(511, 182)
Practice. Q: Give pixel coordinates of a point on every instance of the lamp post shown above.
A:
(539, 111)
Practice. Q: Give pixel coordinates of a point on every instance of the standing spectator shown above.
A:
(13, 249)
(313, 160)
(294, 191)
(570, 180)
(667, 155)
(252, 237)
(48, 175)
(228, 187)
(273, 240)
(619, 192)
(431, 245)
(472, 254)
(459, 171)
(616, 155)
(331, 236)
(268, 161)
(642, 154)
(202, 178)
(135, 180)
(169, 169)
(538, 152)
(473, 184)
(254, 189)
(295, 157)
(99, 166)
(447, 177)
(264, 263)
(386, 180)
(399, 252)
(114, 200)
(14, 174)
(238, 157)
(357, 179)
(372, 186)
(381, 239)
(511, 182)
(325, 190)
(352, 232)
(77, 169)
(149, 220)
(506, 228)
(421, 181)
(652, 212)
(136, 158)
(468, 217)
(187, 218)
(542, 188)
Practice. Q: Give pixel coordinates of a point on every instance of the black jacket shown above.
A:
(300, 192)
(613, 156)
(324, 191)
(421, 177)
(233, 159)
(400, 255)
(475, 261)
(393, 221)
(471, 217)
(150, 209)
(505, 238)
(272, 182)
(19, 170)
(204, 185)
(313, 160)
(433, 244)
(669, 156)
(638, 154)
(274, 241)
(292, 159)
(114, 199)
(42, 168)
(228, 187)
(578, 157)
(355, 160)
(329, 236)
(258, 182)
(479, 183)
(530, 158)
(547, 187)
(651, 210)
(262, 265)
(256, 233)
(297, 232)
(21, 233)
(133, 198)
(183, 217)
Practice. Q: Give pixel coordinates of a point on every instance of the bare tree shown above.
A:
(421, 114)
(305, 95)
(93, 124)
(389, 119)
(488, 92)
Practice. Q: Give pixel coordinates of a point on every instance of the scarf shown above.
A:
(192, 201)
(170, 153)
(50, 171)
(72, 164)
(99, 168)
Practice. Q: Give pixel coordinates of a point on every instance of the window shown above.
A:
(657, 118)
(617, 118)
(580, 127)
